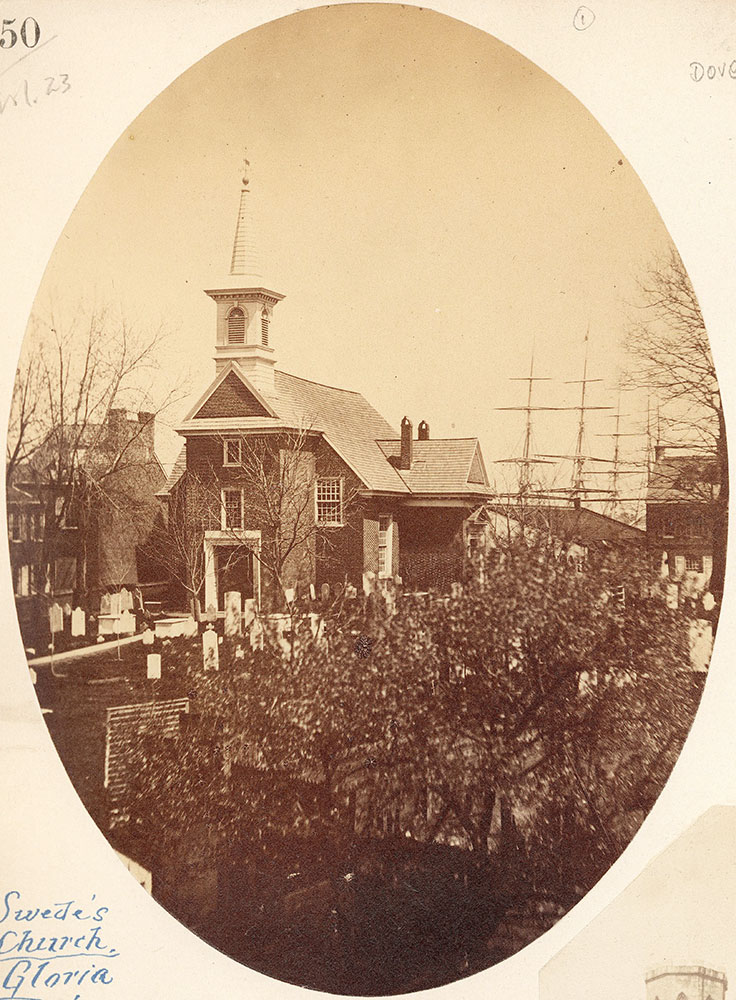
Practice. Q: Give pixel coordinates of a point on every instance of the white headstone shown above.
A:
(312, 592)
(233, 613)
(153, 666)
(125, 624)
(56, 618)
(79, 622)
(126, 600)
(148, 637)
(210, 651)
(709, 601)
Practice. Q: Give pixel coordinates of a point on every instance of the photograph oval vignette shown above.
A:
(370, 645)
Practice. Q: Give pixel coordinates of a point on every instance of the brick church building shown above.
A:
(290, 484)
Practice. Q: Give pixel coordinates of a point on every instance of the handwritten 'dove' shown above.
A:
(712, 71)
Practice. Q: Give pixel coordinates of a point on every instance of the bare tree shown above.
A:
(277, 476)
(68, 436)
(671, 359)
(179, 545)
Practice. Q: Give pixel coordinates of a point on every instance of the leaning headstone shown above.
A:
(233, 613)
(125, 624)
(79, 624)
(148, 637)
(153, 666)
(106, 604)
(210, 651)
(56, 618)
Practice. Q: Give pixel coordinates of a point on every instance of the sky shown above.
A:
(430, 203)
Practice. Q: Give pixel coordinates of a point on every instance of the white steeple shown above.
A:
(244, 304)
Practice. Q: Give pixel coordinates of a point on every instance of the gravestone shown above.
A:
(106, 604)
(249, 611)
(289, 594)
(153, 666)
(126, 600)
(324, 591)
(125, 624)
(148, 637)
(233, 613)
(115, 607)
(79, 624)
(369, 583)
(67, 609)
(56, 618)
(210, 651)
(312, 592)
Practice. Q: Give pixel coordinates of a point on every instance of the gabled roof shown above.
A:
(230, 395)
(441, 465)
(683, 478)
(351, 426)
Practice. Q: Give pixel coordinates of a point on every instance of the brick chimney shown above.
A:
(407, 444)
(423, 431)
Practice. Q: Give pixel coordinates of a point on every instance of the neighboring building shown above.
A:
(686, 982)
(382, 504)
(681, 496)
(71, 542)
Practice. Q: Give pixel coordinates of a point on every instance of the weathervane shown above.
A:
(246, 170)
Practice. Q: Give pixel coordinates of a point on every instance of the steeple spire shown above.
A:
(244, 305)
(246, 259)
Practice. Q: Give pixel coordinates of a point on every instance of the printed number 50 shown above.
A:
(30, 33)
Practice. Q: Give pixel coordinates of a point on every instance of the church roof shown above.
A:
(352, 427)
(441, 465)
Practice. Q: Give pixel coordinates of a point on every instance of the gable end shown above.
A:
(231, 399)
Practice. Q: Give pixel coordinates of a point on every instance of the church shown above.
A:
(287, 484)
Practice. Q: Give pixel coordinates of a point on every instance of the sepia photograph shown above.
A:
(367, 503)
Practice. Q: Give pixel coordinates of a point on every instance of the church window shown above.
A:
(232, 509)
(329, 502)
(232, 451)
(236, 327)
(694, 564)
(264, 328)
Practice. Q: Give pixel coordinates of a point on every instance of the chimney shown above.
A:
(407, 445)
(423, 431)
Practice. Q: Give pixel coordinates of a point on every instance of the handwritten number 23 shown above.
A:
(30, 32)
(63, 80)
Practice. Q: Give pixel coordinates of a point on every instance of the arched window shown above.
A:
(236, 327)
(264, 328)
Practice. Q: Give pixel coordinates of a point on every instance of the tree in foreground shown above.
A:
(421, 789)
(670, 358)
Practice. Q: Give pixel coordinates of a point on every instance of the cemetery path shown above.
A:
(76, 654)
